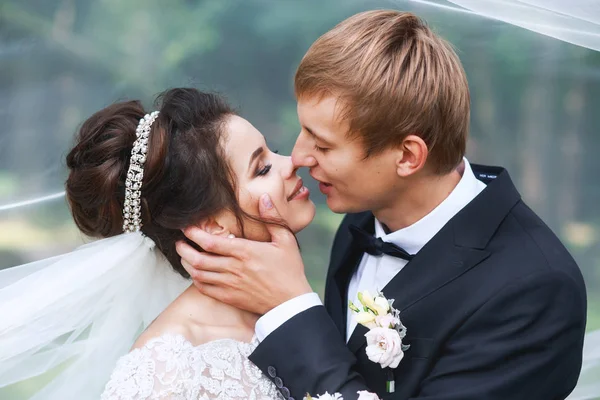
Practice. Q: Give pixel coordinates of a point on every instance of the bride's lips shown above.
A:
(300, 192)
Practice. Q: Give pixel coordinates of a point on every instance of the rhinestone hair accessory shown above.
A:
(132, 215)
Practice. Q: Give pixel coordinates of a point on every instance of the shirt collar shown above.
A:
(414, 237)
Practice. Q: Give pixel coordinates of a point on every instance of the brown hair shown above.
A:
(186, 175)
(394, 77)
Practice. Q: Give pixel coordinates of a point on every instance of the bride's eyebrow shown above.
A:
(254, 155)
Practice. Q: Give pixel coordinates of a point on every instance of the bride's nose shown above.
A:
(287, 167)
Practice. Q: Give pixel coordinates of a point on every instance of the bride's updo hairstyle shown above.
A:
(186, 175)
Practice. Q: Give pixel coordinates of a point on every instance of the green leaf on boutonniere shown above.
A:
(353, 307)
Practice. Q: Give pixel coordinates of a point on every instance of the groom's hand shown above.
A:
(253, 276)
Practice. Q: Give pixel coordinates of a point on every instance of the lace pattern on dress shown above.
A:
(170, 367)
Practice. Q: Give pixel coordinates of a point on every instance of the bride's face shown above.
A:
(258, 170)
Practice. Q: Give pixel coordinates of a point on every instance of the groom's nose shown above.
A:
(302, 153)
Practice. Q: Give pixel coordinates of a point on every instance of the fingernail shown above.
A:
(266, 200)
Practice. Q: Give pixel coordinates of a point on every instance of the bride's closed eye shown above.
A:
(264, 170)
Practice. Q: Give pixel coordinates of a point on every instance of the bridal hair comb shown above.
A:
(132, 215)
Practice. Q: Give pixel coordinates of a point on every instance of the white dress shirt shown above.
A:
(373, 272)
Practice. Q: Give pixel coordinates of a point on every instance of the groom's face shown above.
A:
(351, 182)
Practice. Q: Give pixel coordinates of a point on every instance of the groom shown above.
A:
(493, 303)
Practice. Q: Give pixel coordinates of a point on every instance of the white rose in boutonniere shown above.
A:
(384, 339)
(384, 347)
(326, 396)
(364, 395)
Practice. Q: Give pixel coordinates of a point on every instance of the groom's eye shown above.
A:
(321, 149)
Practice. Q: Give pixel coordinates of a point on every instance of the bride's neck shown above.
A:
(204, 310)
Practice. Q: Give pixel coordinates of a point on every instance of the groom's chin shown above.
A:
(340, 205)
(337, 206)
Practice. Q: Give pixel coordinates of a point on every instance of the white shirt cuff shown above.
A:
(284, 312)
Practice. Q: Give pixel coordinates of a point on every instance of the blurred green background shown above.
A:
(535, 102)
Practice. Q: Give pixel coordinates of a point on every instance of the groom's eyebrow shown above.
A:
(254, 155)
(313, 134)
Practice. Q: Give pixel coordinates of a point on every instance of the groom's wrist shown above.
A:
(284, 312)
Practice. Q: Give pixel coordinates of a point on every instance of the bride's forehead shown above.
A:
(241, 136)
(240, 129)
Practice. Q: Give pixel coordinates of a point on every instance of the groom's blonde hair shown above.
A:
(394, 77)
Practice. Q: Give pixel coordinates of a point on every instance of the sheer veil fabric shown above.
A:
(572, 21)
(74, 315)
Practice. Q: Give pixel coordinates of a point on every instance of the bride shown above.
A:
(135, 181)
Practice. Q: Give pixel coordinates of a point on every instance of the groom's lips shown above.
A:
(325, 188)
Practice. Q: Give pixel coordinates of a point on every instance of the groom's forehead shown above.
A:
(330, 118)
(323, 117)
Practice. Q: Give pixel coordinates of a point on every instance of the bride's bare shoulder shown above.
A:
(179, 318)
(162, 328)
(192, 316)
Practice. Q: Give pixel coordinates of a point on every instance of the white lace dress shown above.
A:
(170, 367)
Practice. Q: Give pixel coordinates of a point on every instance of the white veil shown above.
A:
(576, 22)
(572, 21)
(74, 315)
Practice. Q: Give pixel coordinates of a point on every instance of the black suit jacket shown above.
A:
(494, 305)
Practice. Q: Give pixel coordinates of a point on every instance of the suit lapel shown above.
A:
(440, 263)
(437, 264)
(341, 270)
(358, 338)
(459, 246)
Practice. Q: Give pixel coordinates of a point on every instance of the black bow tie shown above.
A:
(375, 246)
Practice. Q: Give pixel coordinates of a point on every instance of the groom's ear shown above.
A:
(411, 156)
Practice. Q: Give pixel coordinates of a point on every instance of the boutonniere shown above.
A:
(362, 395)
(384, 338)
